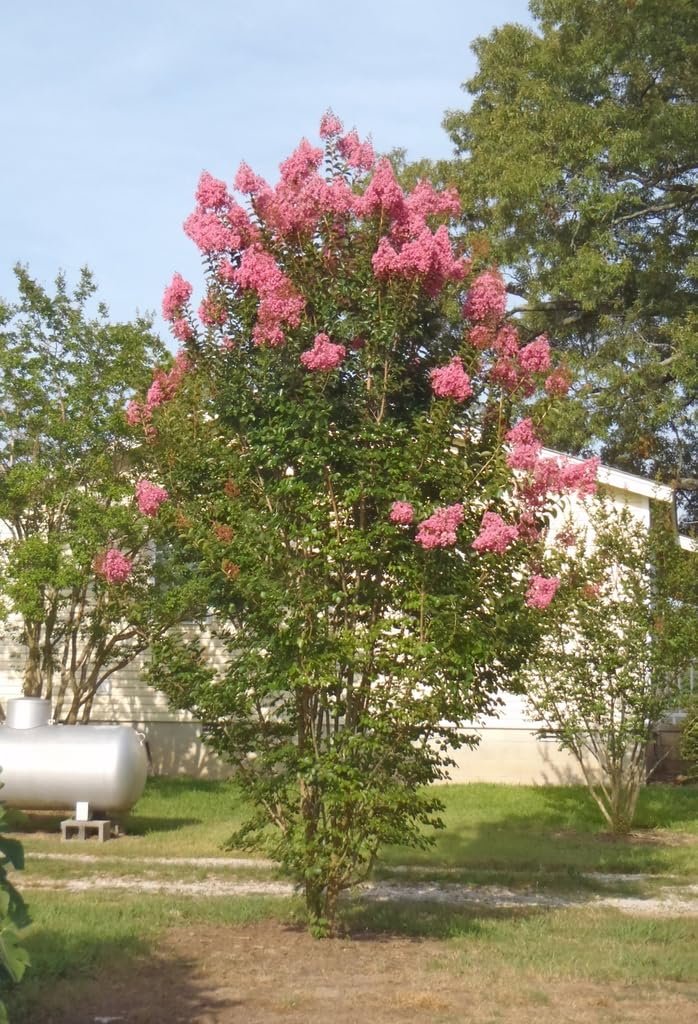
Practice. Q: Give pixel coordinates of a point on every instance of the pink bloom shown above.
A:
(525, 448)
(541, 591)
(212, 311)
(580, 477)
(329, 125)
(210, 234)
(487, 298)
(248, 182)
(156, 394)
(177, 294)
(401, 512)
(505, 373)
(324, 355)
(115, 566)
(150, 497)
(134, 413)
(495, 535)
(558, 383)
(535, 357)
(212, 194)
(425, 201)
(303, 162)
(226, 272)
(440, 529)
(357, 154)
(481, 336)
(506, 342)
(451, 381)
(383, 194)
(182, 330)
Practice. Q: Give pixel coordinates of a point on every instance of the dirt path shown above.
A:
(270, 973)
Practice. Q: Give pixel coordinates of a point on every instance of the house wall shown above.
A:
(510, 748)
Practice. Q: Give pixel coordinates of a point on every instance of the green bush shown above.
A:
(13, 957)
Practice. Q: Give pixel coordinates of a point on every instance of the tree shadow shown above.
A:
(385, 920)
(77, 980)
(563, 837)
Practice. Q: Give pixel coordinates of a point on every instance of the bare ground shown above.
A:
(268, 973)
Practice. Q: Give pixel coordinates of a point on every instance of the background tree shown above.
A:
(612, 655)
(76, 568)
(578, 164)
(336, 457)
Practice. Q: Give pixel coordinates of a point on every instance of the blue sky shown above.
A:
(112, 109)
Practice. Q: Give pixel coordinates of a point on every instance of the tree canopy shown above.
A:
(578, 160)
(337, 456)
(77, 513)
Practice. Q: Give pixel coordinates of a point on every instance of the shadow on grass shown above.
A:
(376, 921)
(534, 832)
(76, 979)
(140, 825)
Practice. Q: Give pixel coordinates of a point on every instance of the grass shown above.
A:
(505, 835)
(521, 832)
(77, 939)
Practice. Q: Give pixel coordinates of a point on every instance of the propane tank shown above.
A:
(50, 767)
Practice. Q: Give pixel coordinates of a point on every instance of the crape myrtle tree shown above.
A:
(81, 588)
(336, 459)
(611, 657)
(577, 160)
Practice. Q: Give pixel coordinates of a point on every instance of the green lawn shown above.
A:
(526, 831)
(506, 835)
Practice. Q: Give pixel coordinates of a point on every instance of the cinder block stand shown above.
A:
(72, 829)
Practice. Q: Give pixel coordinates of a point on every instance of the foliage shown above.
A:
(336, 454)
(688, 744)
(14, 959)
(69, 463)
(611, 658)
(578, 163)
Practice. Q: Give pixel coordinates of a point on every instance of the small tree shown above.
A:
(337, 458)
(612, 652)
(76, 559)
(14, 959)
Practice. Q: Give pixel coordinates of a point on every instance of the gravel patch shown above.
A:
(666, 904)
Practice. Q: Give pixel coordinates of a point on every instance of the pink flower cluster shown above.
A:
(357, 154)
(149, 497)
(495, 535)
(177, 295)
(218, 224)
(487, 298)
(525, 446)
(451, 381)
(402, 513)
(280, 304)
(330, 125)
(212, 311)
(162, 389)
(212, 194)
(411, 249)
(535, 357)
(440, 529)
(325, 355)
(559, 476)
(428, 256)
(541, 591)
(114, 566)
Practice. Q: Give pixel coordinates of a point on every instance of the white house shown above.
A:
(510, 749)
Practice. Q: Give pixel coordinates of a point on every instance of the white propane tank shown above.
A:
(52, 767)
